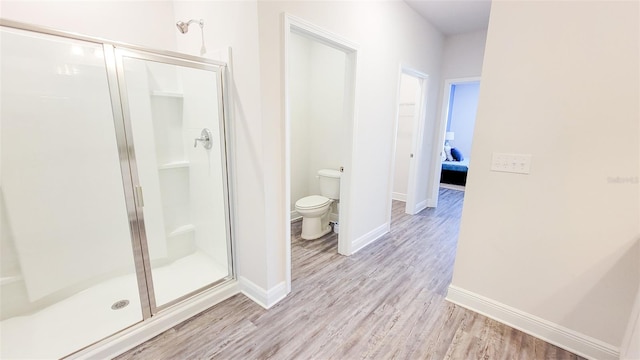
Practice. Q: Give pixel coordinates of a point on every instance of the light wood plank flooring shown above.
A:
(384, 302)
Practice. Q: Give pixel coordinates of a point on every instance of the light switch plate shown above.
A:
(512, 163)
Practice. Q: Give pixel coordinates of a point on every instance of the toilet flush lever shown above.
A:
(205, 138)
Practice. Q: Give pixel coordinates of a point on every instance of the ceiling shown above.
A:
(454, 16)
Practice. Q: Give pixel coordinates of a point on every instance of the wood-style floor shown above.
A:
(384, 302)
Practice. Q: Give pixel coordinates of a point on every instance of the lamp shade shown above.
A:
(449, 136)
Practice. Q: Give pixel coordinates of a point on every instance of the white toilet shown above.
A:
(315, 209)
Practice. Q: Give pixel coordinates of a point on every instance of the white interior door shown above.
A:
(408, 139)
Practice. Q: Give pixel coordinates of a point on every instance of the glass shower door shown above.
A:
(175, 113)
(68, 277)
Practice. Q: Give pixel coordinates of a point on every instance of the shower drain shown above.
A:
(120, 304)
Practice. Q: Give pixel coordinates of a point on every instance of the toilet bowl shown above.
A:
(314, 210)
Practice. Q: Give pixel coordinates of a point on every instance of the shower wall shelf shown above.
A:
(174, 165)
(184, 229)
(173, 170)
(172, 94)
(10, 279)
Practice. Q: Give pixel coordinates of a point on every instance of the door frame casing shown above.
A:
(417, 139)
(293, 24)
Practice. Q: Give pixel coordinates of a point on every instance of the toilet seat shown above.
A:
(312, 202)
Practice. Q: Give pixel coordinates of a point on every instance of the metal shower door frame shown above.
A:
(144, 271)
(113, 52)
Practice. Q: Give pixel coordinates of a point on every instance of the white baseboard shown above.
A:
(137, 334)
(421, 206)
(452, 187)
(431, 203)
(264, 298)
(631, 342)
(295, 216)
(369, 237)
(555, 334)
(399, 196)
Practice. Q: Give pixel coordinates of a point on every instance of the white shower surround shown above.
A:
(71, 145)
(61, 181)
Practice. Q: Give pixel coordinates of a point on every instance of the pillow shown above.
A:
(456, 154)
(447, 152)
(443, 155)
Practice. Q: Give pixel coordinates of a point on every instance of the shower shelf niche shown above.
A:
(184, 229)
(174, 165)
(172, 94)
(6, 280)
(173, 170)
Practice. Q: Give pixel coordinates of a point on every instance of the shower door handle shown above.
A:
(139, 199)
(205, 138)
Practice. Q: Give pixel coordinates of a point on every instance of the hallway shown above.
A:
(386, 301)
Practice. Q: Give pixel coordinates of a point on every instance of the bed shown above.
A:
(454, 172)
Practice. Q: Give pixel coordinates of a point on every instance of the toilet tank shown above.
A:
(329, 183)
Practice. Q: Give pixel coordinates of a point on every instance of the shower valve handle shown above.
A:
(195, 141)
(205, 138)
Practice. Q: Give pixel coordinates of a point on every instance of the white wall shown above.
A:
(386, 33)
(299, 67)
(235, 24)
(560, 244)
(326, 107)
(463, 116)
(125, 21)
(462, 55)
(409, 96)
(317, 113)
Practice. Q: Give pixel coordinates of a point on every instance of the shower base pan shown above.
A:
(87, 317)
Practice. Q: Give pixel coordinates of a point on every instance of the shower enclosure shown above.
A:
(114, 197)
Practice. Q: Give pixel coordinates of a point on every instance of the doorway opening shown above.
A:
(319, 96)
(408, 138)
(459, 107)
